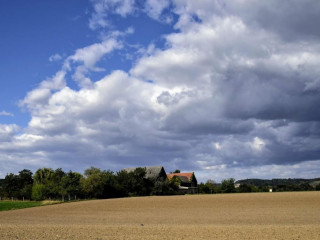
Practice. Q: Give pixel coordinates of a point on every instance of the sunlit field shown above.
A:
(223, 216)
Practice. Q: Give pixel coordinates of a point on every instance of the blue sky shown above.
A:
(225, 89)
(37, 30)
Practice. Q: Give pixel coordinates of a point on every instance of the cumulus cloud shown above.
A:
(231, 95)
(292, 20)
(7, 131)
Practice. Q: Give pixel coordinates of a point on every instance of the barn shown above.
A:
(188, 182)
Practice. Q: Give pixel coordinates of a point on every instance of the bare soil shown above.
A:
(224, 216)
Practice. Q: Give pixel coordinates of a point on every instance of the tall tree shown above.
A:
(93, 182)
(25, 183)
(71, 182)
(11, 185)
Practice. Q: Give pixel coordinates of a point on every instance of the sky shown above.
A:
(221, 88)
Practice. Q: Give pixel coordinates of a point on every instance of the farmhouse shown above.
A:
(154, 174)
(188, 182)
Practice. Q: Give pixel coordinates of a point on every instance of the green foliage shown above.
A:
(11, 205)
(165, 188)
(25, 183)
(71, 182)
(43, 176)
(244, 188)
(26, 191)
(289, 184)
(227, 186)
(52, 181)
(47, 183)
(209, 187)
(93, 183)
(11, 185)
(177, 171)
(134, 183)
(175, 182)
(18, 186)
(39, 192)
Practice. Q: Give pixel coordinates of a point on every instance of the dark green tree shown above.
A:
(71, 182)
(227, 186)
(11, 185)
(244, 188)
(51, 180)
(134, 183)
(25, 183)
(93, 183)
(55, 184)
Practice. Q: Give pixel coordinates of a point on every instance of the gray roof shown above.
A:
(151, 172)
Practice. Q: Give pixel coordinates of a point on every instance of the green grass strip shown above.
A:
(11, 205)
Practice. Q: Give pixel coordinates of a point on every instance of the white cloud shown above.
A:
(57, 82)
(55, 57)
(217, 145)
(91, 54)
(258, 144)
(7, 131)
(5, 113)
(37, 98)
(154, 8)
(102, 8)
(224, 98)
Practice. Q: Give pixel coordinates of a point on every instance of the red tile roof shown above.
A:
(187, 175)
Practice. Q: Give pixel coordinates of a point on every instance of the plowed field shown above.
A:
(234, 216)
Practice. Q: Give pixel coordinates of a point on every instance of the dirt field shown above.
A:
(234, 216)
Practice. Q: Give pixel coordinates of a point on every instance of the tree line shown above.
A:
(47, 183)
(211, 187)
(259, 185)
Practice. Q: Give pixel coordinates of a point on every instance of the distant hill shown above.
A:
(279, 182)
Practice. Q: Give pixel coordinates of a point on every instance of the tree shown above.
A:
(51, 180)
(211, 185)
(174, 183)
(244, 188)
(141, 186)
(177, 171)
(43, 175)
(11, 185)
(93, 183)
(227, 186)
(25, 182)
(134, 183)
(39, 192)
(71, 182)
(55, 185)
